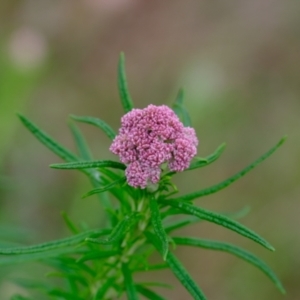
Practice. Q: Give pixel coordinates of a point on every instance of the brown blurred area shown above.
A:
(240, 64)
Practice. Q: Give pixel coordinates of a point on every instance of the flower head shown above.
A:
(149, 138)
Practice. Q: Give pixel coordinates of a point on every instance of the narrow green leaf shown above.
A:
(178, 270)
(19, 297)
(129, 284)
(73, 283)
(53, 145)
(69, 241)
(180, 110)
(207, 160)
(70, 276)
(184, 277)
(122, 84)
(218, 219)
(73, 228)
(147, 268)
(83, 149)
(64, 295)
(180, 97)
(230, 180)
(232, 249)
(157, 284)
(96, 255)
(59, 150)
(149, 294)
(69, 264)
(104, 288)
(181, 223)
(203, 162)
(98, 123)
(158, 227)
(90, 164)
(31, 284)
(192, 219)
(48, 141)
(119, 194)
(170, 212)
(119, 231)
(238, 214)
(126, 189)
(105, 188)
(40, 256)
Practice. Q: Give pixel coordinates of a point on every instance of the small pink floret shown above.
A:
(149, 138)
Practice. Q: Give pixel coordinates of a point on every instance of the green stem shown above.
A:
(129, 246)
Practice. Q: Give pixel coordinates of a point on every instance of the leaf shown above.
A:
(126, 189)
(149, 294)
(178, 270)
(55, 147)
(238, 214)
(179, 98)
(129, 284)
(170, 212)
(207, 160)
(83, 149)
(93, 174)
(70, 276)
(69, 223)
(40, 256)
(241, 253)
(180, 110)
(218, 219)
(19, 297)
(181, 223)
(64, 295)
(96, 255)
(98, 123)
(70, 264)
(104, 288)
(122, 84)
(158, 227)
(105, 188)
(203, 162)
(230, 180)
(119, 194)
(50, 143)
(184, 277)
(90, 164)
(69, 241)
(155, 267)
(119, 231)
(192, 219)
(62, 152)
(157, 284)
(30, 284)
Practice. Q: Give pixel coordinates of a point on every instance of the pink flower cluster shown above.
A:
(149, 138)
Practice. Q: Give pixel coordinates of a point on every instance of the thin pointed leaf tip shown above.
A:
(122, 84)
(180, 110)
(150, 138)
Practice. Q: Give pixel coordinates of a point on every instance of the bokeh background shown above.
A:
(240, 64)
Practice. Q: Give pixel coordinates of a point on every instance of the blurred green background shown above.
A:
(240, 64)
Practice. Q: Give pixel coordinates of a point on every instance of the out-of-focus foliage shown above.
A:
(239, 63)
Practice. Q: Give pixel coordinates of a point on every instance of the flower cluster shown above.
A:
(149, 138)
